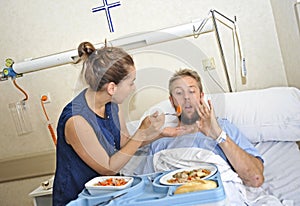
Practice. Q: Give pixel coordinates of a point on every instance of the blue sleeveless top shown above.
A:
(71, 171)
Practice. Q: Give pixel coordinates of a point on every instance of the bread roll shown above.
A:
(196, 186)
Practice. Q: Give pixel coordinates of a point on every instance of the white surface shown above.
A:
(282, 166)
(40, 191)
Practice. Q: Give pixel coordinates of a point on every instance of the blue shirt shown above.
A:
(199, 140)
(71, 171)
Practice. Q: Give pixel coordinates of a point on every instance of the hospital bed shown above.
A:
(270, 118)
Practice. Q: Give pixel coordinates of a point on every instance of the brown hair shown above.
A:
(185, 72)
(101, 66)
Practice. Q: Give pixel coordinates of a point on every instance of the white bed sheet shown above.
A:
(282, 166)
(282, 170)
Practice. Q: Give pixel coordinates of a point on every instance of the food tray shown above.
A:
(147, 191)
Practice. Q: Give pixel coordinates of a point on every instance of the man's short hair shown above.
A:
(185, 72)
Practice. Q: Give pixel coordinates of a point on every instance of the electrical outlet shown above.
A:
(47, 99)
(209, 64)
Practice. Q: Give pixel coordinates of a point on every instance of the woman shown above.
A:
(92, 136)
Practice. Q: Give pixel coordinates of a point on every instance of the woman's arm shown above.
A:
(124, 131)
(81, 136)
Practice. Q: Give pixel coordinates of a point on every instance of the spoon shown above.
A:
(178, 111)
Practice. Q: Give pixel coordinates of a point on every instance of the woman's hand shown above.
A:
(151, 126)
(176, 131)
(208, 123)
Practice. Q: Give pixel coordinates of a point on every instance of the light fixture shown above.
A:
(133, 42)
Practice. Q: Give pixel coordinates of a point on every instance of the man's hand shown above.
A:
(208, 123)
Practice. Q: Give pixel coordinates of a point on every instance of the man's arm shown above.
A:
(249, 168)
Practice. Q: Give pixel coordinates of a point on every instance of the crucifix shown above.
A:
(106, 7)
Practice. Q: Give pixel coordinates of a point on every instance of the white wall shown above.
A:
(38, 28)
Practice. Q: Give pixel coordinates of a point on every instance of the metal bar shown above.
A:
(297, 14)
(215, 11)
(221, 49)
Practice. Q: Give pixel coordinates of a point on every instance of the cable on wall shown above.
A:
(19, 88)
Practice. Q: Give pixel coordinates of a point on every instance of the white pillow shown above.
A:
(271, 114)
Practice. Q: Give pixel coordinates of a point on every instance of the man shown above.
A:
(218, 134)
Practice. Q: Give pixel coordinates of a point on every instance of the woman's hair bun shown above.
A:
(85, 49)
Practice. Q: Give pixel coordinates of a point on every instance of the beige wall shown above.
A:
(38, 28)
(289, 38)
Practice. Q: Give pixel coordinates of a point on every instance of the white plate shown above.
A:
(95, 189)
(164, 179)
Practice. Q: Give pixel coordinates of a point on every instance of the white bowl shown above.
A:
(95, 189)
